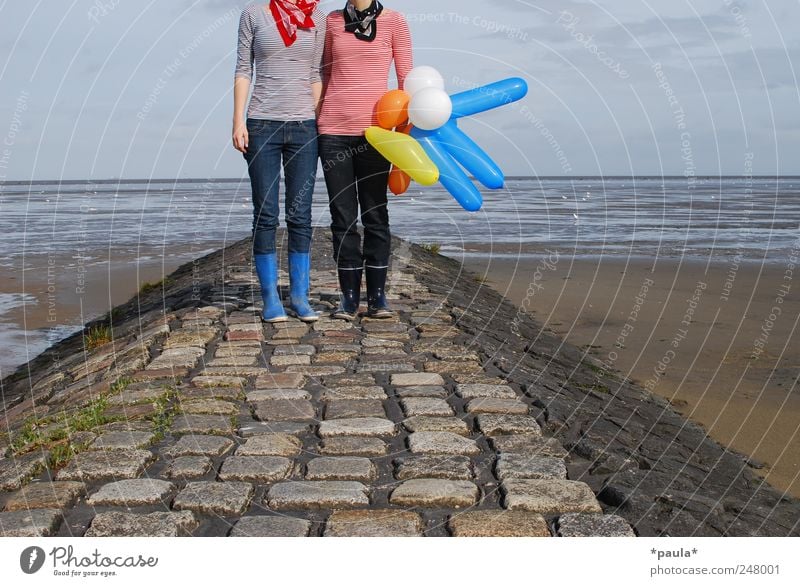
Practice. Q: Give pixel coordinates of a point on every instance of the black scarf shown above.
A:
(362, 23)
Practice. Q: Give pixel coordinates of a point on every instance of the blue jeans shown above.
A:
(295, 143)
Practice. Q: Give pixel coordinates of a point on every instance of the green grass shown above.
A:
(149, 287)
(165, 413)
(89, 417)
(60, 455)
(29, 435)
(97, 336)
(34, 433)
(432, 247)
(480, 279)
(594, 368)
(120, 385)
(596, 387)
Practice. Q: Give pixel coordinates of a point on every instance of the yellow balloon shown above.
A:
(404, 153)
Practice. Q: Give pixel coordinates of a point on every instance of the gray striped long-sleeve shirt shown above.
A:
(283, 75)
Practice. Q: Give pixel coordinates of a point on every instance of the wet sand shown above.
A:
(706, 337)
(62, 293)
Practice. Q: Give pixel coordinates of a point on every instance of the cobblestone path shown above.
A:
(205, 422)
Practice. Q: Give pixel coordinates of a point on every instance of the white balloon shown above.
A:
(422, 77)
(430, 108)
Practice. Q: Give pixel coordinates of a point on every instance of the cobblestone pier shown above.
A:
(200, 420)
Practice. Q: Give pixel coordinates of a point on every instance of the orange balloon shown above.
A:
(405, 128)
(398, 181)
(392, 109)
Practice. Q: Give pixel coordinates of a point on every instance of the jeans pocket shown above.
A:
(256, 126)
(310, 128)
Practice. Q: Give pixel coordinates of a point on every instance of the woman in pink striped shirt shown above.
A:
(361, 41)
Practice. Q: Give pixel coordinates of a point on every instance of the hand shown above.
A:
(241, 138)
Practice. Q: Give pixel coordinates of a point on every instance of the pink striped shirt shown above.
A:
(356, 72)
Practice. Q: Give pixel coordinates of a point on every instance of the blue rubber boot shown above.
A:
(267, 269)
(299, 283)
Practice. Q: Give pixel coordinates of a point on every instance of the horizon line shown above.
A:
(246, 179)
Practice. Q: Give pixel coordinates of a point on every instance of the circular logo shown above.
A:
(31, 559)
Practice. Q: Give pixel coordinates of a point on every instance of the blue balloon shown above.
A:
(449, 146)
(470, 155)
(450, 174)
(488, 97)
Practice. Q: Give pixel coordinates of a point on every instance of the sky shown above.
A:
(99, 89)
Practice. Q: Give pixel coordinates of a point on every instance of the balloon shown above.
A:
(422, 77)
(404, 152)
(398, 181)
(470, 155)
(436, 146)
(392, 109)
(488, 97)
(430, 108)
(451, 175)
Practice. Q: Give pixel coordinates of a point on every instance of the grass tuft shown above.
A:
(165, 413)
(97, 336)
(149, 287)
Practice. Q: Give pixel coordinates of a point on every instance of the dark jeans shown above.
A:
(356, 175)
(296, 144)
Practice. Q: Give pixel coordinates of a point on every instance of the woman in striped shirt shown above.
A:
(361, 41)
(283, 41)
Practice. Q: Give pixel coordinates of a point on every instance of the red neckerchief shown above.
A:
(290, 16)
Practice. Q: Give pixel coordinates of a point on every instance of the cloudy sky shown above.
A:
(116, 88)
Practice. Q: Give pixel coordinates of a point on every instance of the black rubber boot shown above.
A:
(350, 285)
(376, 293)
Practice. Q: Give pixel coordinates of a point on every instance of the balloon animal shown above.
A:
(428, 146)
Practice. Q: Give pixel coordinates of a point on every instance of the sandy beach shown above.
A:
(718, 340)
